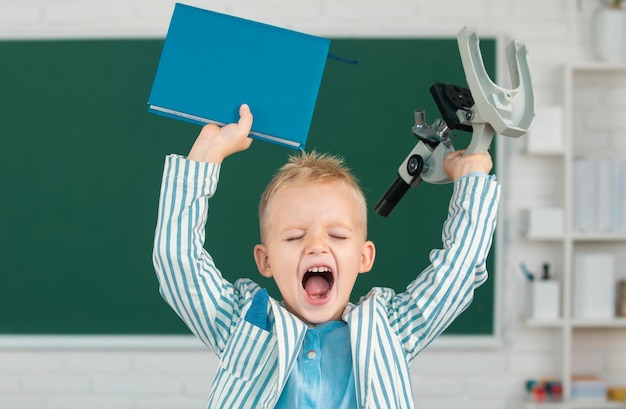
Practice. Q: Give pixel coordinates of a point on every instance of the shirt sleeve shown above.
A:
(188, 278)
(480, 175)
(446, 287)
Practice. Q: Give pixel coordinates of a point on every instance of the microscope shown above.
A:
(483, 109)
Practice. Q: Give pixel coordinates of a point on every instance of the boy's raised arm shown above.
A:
(445, 288)
(188, 278)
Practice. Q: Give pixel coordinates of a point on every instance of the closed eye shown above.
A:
(339, 234)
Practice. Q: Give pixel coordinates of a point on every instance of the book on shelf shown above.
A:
(584, 194)
(599, 195)
(211, 63)
(594, 285)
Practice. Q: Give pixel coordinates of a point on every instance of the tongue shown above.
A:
(316, 286)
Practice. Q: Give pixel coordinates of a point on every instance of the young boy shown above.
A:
(314, 349)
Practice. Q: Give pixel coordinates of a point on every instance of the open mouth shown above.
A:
(317, 282)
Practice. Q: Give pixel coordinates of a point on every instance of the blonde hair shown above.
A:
(313, 169)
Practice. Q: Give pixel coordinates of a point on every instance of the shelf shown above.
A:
(617, 322)
(548, 152)
(575, 405)
(599, 236)
(599, 323)
(544, 237)
(561, 243)
(596, 405)
(579, 237)
(544, 405)
(597, 66)
(536, 323)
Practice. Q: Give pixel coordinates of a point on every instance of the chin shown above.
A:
(319, 317)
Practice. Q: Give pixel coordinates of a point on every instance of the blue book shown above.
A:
(211, 63)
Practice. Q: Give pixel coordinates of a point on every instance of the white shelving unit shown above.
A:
(580, 78)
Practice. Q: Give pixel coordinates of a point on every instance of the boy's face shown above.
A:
(314, 248)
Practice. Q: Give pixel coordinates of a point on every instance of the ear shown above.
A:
(262, 260)
(368, 254)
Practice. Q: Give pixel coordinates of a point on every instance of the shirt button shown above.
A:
(311, 354)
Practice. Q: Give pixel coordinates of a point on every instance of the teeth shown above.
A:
(319, 270)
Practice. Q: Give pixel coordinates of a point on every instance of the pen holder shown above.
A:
(543, 300)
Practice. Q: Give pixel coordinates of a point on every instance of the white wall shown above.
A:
(555, 31)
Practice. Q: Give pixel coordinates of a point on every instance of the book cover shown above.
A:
(594, 285)
(619, 189)
(585, 194)
(211, 63)
(604, 205)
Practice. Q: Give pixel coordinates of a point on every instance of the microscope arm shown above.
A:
(508, 112)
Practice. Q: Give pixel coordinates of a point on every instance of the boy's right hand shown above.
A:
(456, 164)
(216, 143)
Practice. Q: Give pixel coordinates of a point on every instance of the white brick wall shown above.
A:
(555, 31)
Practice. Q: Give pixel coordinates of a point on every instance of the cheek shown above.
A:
(284, 265)
(281, 254)
(351, 263)
(360, 260)
(288, 286)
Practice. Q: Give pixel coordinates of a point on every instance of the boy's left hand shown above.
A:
(456, 165)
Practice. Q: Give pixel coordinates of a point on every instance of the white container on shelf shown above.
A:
(543, 300)
(544, 222)
(608, 34)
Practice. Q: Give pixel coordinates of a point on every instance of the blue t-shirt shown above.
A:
(322, 377)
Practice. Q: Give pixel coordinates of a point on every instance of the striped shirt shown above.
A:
(258, 341)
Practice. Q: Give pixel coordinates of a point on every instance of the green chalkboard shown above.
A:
(82, 161)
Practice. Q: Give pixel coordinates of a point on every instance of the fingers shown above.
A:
(460, 155)
(210, 129)
(457, 164)
(245, 124)
(454, 154)
(245, 118)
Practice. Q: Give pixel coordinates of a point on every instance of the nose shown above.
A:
(316, 243)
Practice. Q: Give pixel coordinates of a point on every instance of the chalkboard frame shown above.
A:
(46, 95)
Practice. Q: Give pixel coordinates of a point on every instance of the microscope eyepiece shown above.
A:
(391, 197)
(414, 166)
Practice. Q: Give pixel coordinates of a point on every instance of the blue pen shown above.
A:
(528, 274)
